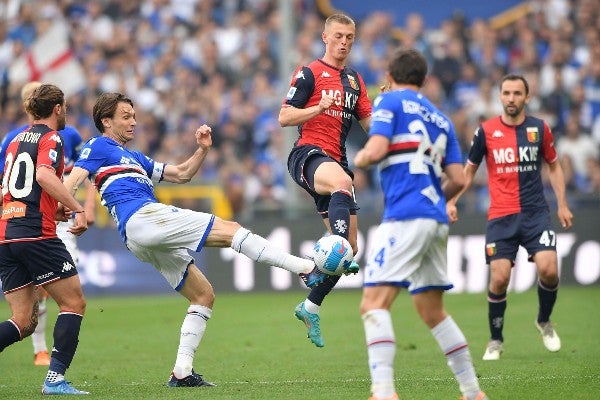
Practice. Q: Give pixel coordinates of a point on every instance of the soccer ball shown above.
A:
(333, 254)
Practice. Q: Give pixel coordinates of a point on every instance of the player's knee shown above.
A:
(548, 276)
(205, 296)
(26, 324)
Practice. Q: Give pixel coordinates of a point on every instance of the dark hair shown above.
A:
(106, 106)
(42, 100)
(515, 77)
(408, 66)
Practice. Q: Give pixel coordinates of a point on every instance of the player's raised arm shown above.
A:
(184, 172)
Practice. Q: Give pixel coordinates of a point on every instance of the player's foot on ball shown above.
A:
(41, 358)
(313, 278)
(312, 323)
(189, 381)
(352, 268)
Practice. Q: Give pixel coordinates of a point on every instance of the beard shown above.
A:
(61, 123)
(513, 110)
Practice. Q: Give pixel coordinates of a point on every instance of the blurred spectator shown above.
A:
(187, 62)
(575, 149)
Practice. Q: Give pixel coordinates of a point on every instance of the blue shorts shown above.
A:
(532, 230)
(302, 164)
(34, 262)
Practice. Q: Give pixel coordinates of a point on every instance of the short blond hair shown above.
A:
(340, 19)
(28, 88)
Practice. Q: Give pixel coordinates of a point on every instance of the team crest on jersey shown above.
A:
(533, 135)
(353, 83)
(490, 249)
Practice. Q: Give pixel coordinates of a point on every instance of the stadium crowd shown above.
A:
(191, 62)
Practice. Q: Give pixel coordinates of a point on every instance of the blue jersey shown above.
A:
(71, 145)
(422, 143)
(124, 178)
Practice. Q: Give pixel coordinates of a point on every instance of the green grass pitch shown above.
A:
(254, 348)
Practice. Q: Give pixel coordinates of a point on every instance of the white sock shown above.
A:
(454, 345)
(192, 330)
(311, 307)
(53, 377)
(381, 350)
(38, 336)
(260, 250)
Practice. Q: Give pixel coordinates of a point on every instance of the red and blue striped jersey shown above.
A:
(28, 211)
(328, 130)
(513, 156)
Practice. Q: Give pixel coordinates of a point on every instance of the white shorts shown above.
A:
(162, 235)
(68, 239)
(411, 254)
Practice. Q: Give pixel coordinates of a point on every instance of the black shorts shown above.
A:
(302, 164)
(532, 230)
(38, 262)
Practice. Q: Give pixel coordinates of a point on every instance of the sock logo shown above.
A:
(498, 322)
(340, 226)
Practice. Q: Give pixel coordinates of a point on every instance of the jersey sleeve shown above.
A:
(91, 157)
(382, 119)
(302, 87)
(154, 169)
(453, 152)
(50, 151)
(478, 147)
(363, 107)
(548, 149)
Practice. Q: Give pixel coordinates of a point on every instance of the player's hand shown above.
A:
(62, 213)
(452, 212)
(565, 216)
(80, 225)
(384, 88)
(326, 102)
(203, 136)
(361, 160)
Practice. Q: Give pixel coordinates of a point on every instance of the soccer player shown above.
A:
(414, 144)
(30, 252)
(514, 146)
(323, 98)
(162, 234)
(71, 145)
